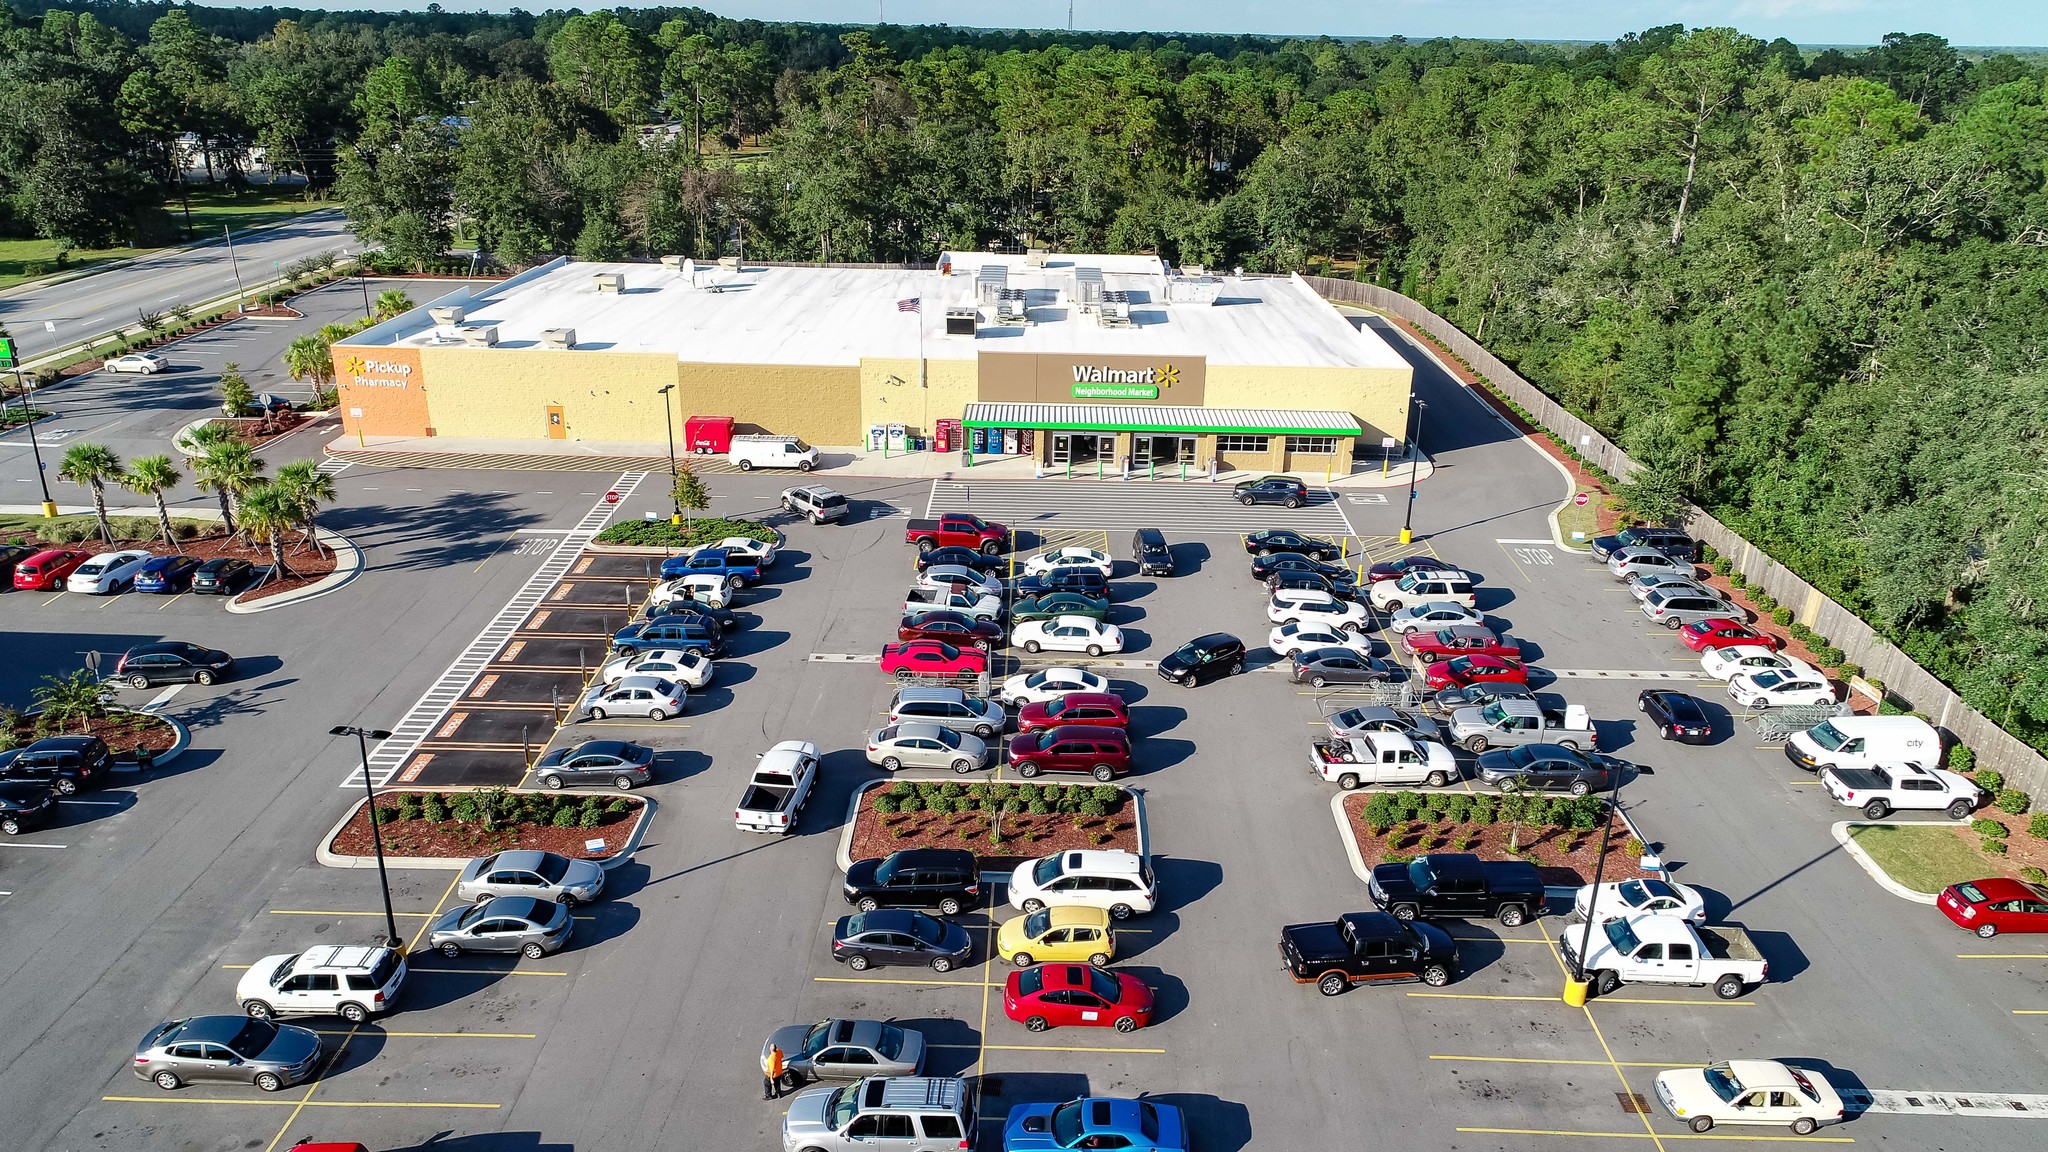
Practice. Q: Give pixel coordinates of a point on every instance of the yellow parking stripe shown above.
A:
(311, 912)
(1066, 1048)
(1553, 1060)
(442, 1035)
(169, 1099)
(1653, 1135)
(2002, 955)
(1597, 1000)
(881, 980)
(488, 972)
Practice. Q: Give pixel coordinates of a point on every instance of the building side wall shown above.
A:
(889, 394)
(506, 393)
(381, 391)
(821, 403)
(1378, 397)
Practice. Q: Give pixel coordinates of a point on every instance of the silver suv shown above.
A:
(1677, 607)
(815, 503)
(948, 708)
(899, 1113)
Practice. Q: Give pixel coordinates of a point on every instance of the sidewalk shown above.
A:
(626, 456)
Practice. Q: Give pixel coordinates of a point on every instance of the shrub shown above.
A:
(1027, 792)
(909, 804)
(1379, 813)
(1093, 807)
(899, 833)
(1781, 615)
(926, 789)
(1101, 837)
(1584, 819)
(1737, 581)
(1708, 555)
(1991, 828)
(951, 789)
(1002, 790)
(902, 788)
(1764, 601)
(1989, 779)
(590, 817)
(1723, 566)
(1037, 807)
(1831, 657)
(2014, 801)
(2033, 875)
(618, 805)
(464, 809)
(1396, 858)
(1070, 799)
(977, 791)
(434, 808)
(408, 807)
(2037, 825)
(1992, 847)
(885, 805)
(1110, 795)
(990, 805)
(1961, 759)
(1851, 671)
(564, 818)
(1632, 848)
(940, 805)
(385, 814)
(1458, 808)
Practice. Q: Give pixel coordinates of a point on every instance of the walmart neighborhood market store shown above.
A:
(1072, 359)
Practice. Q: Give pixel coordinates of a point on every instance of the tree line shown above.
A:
(1803, 288)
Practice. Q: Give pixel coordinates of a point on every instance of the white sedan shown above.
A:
(1775, 687)
(693, 669)
(1048, 684)
(761, 551)
(1287, 639)
(107, 572)
(946, 575)
(1639, 897)
(1303, 604)
(143, 362)
(1068, 634)
(1724, 663)
(1749, 1092)
(1102, 562)
(703, 587)
(1433, 615)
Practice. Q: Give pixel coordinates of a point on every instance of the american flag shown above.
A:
(914, 304)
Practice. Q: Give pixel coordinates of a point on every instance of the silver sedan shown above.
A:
(503, 924)
(541, 875)
(273, 1057)
(927, 746)
(846, 1050)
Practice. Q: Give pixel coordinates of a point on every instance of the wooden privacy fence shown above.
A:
(2023, 767)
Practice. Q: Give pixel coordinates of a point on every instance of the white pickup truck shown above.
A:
(1881, 789)
(1655, 948)
(780, 788)
(981, 607)
(1382, 758)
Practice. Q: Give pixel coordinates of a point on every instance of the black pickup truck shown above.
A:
(1459, 885)
(1367, 948)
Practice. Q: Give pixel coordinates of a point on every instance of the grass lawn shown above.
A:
(1572, 518)
(1924, 857)
(211, 211)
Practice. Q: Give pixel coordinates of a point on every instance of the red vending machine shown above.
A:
(708, 435)
(945, 435)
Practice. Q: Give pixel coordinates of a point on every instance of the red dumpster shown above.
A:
(706, 435)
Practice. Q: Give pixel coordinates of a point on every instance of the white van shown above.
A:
(751, 452)
(1863, 741)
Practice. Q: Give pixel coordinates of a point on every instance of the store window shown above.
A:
(1313, 445)
(1242, 443)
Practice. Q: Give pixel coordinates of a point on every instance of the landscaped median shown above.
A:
(689, 534)
(131, 736)
(446, 828)
(1558, 834)
(1002, 823)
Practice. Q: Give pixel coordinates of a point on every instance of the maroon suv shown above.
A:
(1101, 709)
(1104, 753)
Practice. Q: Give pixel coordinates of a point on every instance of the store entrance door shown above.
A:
(1081, 447)
(1162, 451)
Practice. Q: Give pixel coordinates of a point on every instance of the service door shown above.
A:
(557, 430)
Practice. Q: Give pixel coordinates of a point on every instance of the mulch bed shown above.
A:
(255, 431)
(1562, 856)
(123, 732)
(2022, 848)
(452, 840)
(1025, 836)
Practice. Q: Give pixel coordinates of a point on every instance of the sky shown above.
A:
(1968, 23)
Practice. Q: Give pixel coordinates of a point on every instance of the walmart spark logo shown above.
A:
(355, 366)
(1168, 375)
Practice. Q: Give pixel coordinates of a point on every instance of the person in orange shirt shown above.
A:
(771, 1073)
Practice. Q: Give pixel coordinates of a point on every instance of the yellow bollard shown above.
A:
(1575, 993)
(1407, 536)
(49, 509)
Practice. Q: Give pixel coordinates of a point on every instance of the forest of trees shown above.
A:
(1807, 289)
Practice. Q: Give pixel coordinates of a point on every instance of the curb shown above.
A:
(781, 542)
(180, 440)
(1840, 829)
(182, 742)
(1139, 823)
(348, 564)
(457, 863)
(1344, 833)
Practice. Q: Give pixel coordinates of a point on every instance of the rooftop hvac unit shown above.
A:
(675, 263)
(1010, 307)
(1193, 270)
(731, 262)
(1087, 287)
(1115, 310)
(446, 315)
(1193, 289)
(989, 282)
(961, 321)
(609, 282)
(481, 335)
(1036, 257)
(558, 337)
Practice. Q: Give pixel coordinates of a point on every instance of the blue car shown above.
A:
(666, 632)
(166, 574)
(1095, 1122)
(743, 569)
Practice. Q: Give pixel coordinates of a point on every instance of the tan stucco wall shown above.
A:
(819, 403)
(1377, 396)
(889, 393)
(505, 394)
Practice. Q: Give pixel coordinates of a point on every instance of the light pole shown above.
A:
(667, 413)
(35, 447)
(363, 279)
(1575, 985)
(1415, 408)
(363, 736)
(241, 298)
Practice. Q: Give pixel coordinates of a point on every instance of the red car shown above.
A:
(932, 658)
(1059, 995)
(1463, 670)
(1988, 907)
(1104, 709)
(955, 628)
(1460, 639)
(47, 570)
(1104, 753)
(1701, 635)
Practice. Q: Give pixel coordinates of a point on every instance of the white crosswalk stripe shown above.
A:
(1116, 505)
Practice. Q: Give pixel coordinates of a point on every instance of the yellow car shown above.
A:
(1060, 934)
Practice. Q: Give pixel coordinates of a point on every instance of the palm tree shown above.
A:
(153, 476)
(268, 512)
(309, 358)
(391, 302)
(229, 470)
(93, 465)
(311, 488)
(210, 434)
(78, 696)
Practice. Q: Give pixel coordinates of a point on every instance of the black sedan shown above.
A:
(221, 575)
(1395, 569)
(617, 762)
(1286, 540)
(172, 662)
(719, 620)
(1293, 578)
(1324, 666)
(964, 557)
(1279, 490)
(899, 936)
(1267, 567)
(25, 806)
(1677, 716)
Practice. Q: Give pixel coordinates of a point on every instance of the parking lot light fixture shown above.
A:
(1415, 407)
(1575, 988)
(363, 736)
(668, 413)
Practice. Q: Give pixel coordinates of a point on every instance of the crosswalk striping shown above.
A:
(1120, 506)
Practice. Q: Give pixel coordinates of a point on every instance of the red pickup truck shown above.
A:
(957, 528)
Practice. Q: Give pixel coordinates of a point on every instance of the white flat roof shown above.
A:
(838, 316)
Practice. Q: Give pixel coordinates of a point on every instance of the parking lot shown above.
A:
(645, 1030)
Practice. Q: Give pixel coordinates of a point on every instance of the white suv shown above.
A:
(349, 981)
(1423, 587)
(1111, 879)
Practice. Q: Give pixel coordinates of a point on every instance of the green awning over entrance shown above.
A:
(1162, 418)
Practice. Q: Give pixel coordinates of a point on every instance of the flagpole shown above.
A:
(920, 342)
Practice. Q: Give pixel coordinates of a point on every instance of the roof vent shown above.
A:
(480, 335)
(1036, 257)
(446, 315)
(675, 263)
(558, 337)
(962, 321)
(609, 282)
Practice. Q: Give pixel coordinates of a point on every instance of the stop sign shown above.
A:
(613, 498)
(1580, 499)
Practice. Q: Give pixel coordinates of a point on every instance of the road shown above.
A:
(93, 305)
